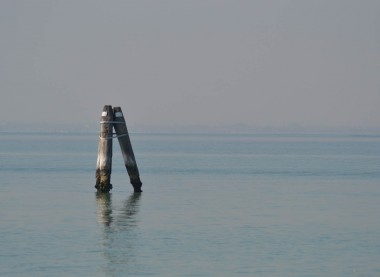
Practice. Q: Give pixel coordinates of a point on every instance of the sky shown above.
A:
(182, 63)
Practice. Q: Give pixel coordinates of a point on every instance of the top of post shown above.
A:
(107, 115)
(118, 114)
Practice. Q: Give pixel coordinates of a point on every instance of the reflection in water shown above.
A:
(127, 218)
(120, 234)
(104, 208)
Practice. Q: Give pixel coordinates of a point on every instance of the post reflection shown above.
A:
(120, 233)
(104, 204)
(127, 217)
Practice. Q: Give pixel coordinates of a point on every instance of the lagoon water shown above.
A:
(212, 205)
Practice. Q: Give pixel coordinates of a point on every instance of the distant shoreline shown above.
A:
(259, 131)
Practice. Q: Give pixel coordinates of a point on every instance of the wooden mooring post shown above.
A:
(126, 149)
(114, 118)
(104, 161)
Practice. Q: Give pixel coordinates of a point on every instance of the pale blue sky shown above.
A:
(186, 63)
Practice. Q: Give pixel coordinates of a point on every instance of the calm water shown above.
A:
(213, 205)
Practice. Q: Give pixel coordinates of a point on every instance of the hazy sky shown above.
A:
(180, 63)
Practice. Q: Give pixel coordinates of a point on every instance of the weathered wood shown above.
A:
(104, 161)
(126, 149)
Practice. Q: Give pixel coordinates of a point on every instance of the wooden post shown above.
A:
(104, 162)
(126, 149)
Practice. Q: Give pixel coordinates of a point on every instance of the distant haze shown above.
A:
(192, 63)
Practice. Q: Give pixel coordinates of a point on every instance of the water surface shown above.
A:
(213, 205)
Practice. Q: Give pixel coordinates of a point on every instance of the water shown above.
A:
(213, 205)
